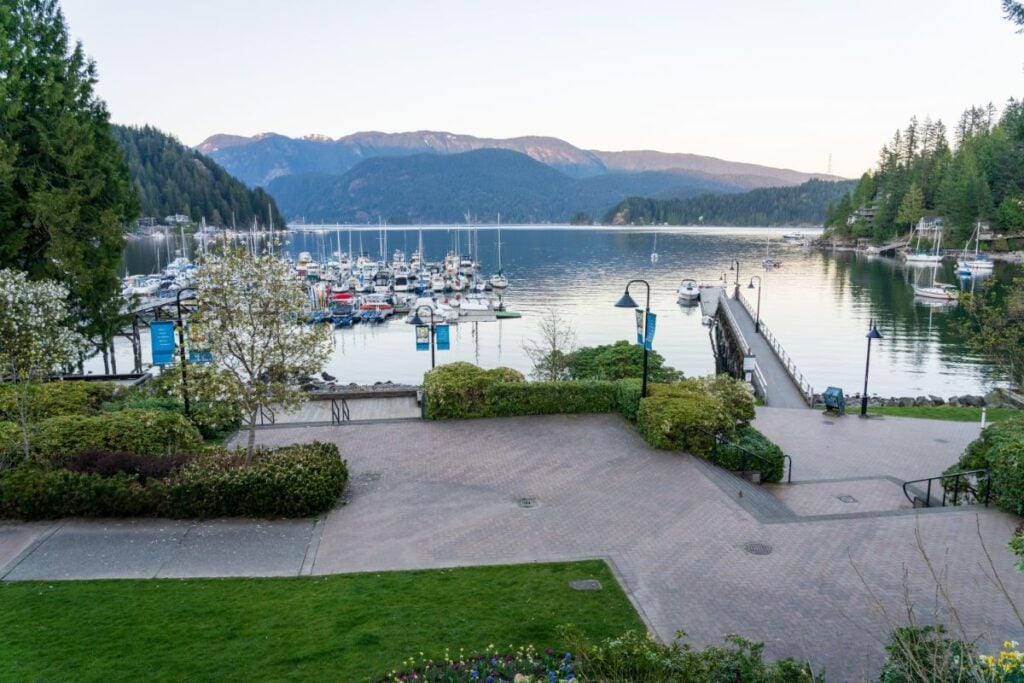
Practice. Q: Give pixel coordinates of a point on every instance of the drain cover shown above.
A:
(941, 440)
(585, 585)
(848, 499)
(757, 548)
(366, 477)
(527, 502)
(828, 422)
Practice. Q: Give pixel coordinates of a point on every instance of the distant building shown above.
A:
(930, 224)
(177, 219)
(865, 215)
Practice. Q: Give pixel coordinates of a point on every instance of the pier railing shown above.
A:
(798, 377)
(723, 306)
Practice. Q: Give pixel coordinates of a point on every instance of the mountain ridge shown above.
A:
(259, 159)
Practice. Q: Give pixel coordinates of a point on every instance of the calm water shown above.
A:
(818, 304)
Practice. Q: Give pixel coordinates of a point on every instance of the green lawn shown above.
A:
(334, 628)
(954, 413)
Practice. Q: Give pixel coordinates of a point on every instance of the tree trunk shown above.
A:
(113, 360)
(251, 445)
(106, 361)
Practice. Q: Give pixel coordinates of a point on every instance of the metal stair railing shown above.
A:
(746, 454)
(339, 411)
(966, 487)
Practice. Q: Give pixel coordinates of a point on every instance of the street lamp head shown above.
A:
(626, 301)
(873, 333)
(416, 319)
(751, 285)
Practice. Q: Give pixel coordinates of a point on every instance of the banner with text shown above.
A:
(443, 338)
(161, 335)
(639, 326)
(422, 337)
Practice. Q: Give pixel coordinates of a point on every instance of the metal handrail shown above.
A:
(970, 492)
(724, 306)
(789, 468)
(747, 453)
(267, 415)
(805, 387)
(759, 378)
(339, 411)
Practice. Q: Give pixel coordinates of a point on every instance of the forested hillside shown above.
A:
(980, 178)
(170, 178)
(434, 188)
(798, 205)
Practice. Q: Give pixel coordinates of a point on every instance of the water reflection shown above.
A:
(818, 304)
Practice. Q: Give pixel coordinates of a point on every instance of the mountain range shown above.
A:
(431, 176)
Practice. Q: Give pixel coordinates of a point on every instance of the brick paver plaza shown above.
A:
(444, 494)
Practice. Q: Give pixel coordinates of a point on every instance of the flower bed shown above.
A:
(525, 665)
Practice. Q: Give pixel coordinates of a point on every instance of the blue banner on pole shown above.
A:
(200, 357)
(443, 338)
(639, 327)
(161, 335)
(649, 342)
(422, 337)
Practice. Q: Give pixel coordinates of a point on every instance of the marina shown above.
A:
(818, 303)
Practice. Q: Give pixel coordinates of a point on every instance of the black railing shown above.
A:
(747, 456)
(267, 415)
(789, 468)
(339, 411)
(967, 488)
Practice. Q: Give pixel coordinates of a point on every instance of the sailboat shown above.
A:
(498, 279)
(654, 250)
(768, 262)
(937, 291)
(919, 255)
(966, 265)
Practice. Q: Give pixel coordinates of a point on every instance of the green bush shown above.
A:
(459, 390)
(143, 432)
(735, 394)
(550, 398)
(627, 397)
(666, 420)
(732, 458)
(213, 419)
(621, 360)
(295, 481)
(55, 399)
(1000, 449)
(637, 657)
(914, 651)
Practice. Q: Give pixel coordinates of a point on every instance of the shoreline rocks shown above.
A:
(997, 398)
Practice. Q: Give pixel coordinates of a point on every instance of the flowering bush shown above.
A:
(525, 665)
(1008, 667)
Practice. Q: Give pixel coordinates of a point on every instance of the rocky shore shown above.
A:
(997, 398)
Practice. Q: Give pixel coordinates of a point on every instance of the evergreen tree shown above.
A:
(912, 207)
(64, 190)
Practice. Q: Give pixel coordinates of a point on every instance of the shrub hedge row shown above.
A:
(295, 481)
(54, 399)
(549, 398)
(1000, 449)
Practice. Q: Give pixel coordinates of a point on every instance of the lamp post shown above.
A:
(873, 333)
(735, 265)
(627, 302)
(181, 347)
(417, 320)
(757, 318)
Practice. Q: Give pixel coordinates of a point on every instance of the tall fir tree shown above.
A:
(64, 190)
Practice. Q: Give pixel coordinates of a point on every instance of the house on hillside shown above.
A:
(865, 215)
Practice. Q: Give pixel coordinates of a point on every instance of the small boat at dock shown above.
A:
(688, 291)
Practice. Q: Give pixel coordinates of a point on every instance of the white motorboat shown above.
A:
(796, 238)
(688, 291)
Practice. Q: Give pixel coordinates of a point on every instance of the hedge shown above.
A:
(1000, 449)
(143, 432)
(627, 397)
(54, 399)
(459, 390)
(732, 458)
(667, 420)
(295, 481)
(213, 419)
(736, 398)
(550, 398)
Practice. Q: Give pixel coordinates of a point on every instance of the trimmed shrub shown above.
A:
(1000, 448)
(213, 419)
(143, 432)
(295, 481)
(666, 420)
(735, 394)
(732, 458)
(54, 399)
(627, 397)
(144, 467)
(550, 398)
(621, 360)
(459, 390)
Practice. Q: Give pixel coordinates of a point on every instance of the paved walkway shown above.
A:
(444, 494)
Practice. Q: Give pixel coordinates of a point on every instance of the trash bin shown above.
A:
(835, 400)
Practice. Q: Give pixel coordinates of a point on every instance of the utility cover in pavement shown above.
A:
(757, 548)
(585, 585)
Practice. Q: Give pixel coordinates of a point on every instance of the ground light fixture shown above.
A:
(873, 333)
(627, 302)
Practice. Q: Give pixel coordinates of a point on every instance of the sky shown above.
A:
(783, 83)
